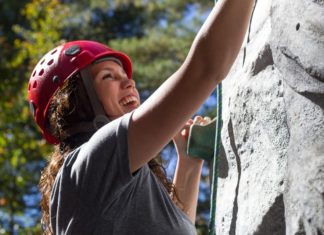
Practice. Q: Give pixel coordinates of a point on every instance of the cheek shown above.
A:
(101, 93)
(102, 86)
(108, 92)
(139, 98)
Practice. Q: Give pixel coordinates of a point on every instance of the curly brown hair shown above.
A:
(71, 105)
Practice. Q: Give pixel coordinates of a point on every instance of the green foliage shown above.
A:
(166, 41)
(155, 57)
(22, 149)
(44, 31)
(153, 33)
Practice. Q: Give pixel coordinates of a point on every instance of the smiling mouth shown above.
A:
(129, 101)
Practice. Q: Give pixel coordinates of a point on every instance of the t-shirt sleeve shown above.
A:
(102, 164)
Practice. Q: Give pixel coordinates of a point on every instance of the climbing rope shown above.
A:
(214, 179)
(213, 194)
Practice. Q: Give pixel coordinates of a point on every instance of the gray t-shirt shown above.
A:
(95, 192)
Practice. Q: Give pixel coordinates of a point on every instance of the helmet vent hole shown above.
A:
(34, 73)
(53, 52)
(32, 107)
(41, 72)
(29, 86)
(35, 84)
(42, 61)
(50, 62)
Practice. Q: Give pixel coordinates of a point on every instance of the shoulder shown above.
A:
(105, 155)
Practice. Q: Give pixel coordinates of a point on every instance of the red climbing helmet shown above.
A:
(56, 67)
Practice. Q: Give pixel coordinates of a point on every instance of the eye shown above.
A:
(107, 76)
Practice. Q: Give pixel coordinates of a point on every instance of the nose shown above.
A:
(128, 83)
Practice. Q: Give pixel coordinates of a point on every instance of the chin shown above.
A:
(131, 108)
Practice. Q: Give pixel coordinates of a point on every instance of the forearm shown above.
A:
(209, 60)
(219, 40)
(186, 181)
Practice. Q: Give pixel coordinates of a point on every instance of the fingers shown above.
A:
(208, 119)
(190, 122)
(198, 120)
(185, 130)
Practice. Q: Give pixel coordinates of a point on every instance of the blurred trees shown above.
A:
(155, 34)
(22, 150)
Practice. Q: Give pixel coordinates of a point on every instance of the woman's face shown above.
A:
(115, 91)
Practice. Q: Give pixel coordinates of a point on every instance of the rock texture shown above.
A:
(272, 181)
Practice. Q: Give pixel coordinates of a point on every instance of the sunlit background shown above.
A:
(155, 34)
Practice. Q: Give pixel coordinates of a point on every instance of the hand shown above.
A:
(181, 138)
(188, 171)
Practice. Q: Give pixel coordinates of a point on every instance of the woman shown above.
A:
(103, 178)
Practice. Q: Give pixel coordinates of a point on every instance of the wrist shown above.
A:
(190, 163)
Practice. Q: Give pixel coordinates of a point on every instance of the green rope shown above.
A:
(213, 195)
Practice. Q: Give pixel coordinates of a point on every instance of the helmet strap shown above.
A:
(100, 118)
(109, 58)
(100, 115)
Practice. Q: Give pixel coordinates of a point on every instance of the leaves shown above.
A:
(21, 148)
(156, 34)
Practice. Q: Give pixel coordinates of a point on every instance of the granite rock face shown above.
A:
(273, 125)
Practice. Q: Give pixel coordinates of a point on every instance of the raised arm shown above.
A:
(211, 56)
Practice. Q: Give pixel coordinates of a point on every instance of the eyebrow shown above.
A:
(109, 69)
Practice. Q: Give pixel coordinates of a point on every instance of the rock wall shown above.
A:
(271, 178)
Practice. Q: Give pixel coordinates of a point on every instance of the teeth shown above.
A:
(127, 100)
